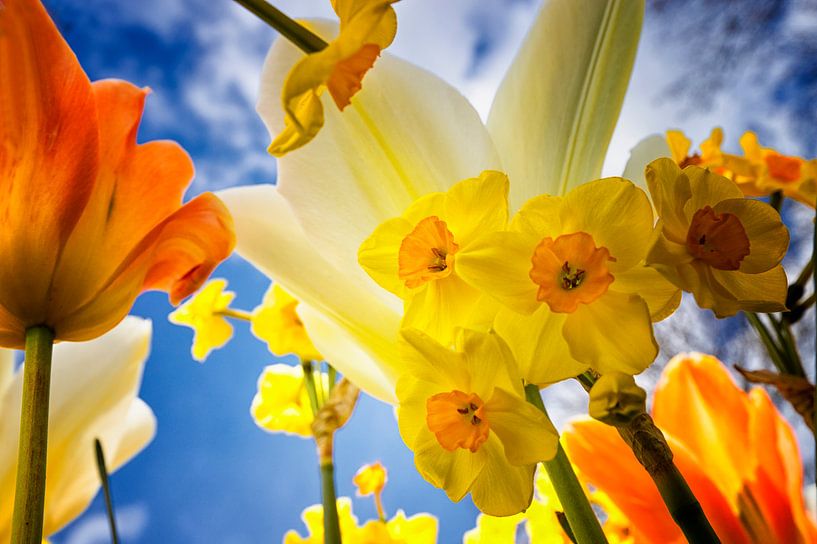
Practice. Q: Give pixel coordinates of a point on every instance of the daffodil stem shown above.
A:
(652, 451)
(580, 516)
(236, 314)
(106, 489)
(299, 35)
(309, 381)
(331, 523)
(774, 351)
(29, 499)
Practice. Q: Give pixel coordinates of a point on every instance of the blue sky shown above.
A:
(211, 475)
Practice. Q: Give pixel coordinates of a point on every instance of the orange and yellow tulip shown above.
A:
(735, 450)
(90, 218)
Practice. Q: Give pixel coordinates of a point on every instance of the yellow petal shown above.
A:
(493, 530)
(768, 237)
(764, 292)
(707, 189)
(502, 489)
(202, 314)
(282, 402)
(614, 333)
(670, 190)
(476, 206)
(552, 126)
(499, 265)
(531, 336)
(679, 145)
(276, 322)
(662, 296)
(527, 435)
(452, 471)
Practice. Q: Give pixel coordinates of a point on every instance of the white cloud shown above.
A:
(131, 521)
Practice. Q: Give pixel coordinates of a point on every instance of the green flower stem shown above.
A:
(332, 376)
(106, 489)
(331, 523)
(299, 35)
(309, 381)
(774, 351)
(236, 314)
(583, 522)
(789, 346)
(29, 500)
(776, 200)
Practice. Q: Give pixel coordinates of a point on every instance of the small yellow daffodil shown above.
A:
(463, 413)
(313, 519)
(570, 272)
(370, 480)
(769, 171)
(415, 255)
(204, 313)
(277, 323)
(493, 530)
(723, 248)
(366, 28)
(281, 404)
(710, 155)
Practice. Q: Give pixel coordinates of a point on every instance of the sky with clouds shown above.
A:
(211, 475)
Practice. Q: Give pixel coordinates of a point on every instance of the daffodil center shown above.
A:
(458, 420)
(783, 168)
(690, 160)
(569, 271)
(717, 239)
(426, 253)
(346, 78)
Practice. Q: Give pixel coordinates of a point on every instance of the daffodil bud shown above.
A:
(616, 399)
(332, 416)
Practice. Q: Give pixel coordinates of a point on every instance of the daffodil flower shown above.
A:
(737, 452)
(282, 404)
(94, 395)
(723, 248)
(90, 217)
(276, 321)
(464, 414)
(414, 256)
(568, 269)
(366, 28)
(204, 313)
(313, 520)
(408, 134)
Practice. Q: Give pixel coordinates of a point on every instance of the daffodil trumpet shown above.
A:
(581, 519)
(29, 498)
(653, 452)
(299, 35)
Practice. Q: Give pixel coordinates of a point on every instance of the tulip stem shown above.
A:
(331, 523)
(106, 489)
(306, 40)
(29, 499)
(580, 516)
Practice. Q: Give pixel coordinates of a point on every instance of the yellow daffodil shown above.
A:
(464, 415)
(414, 256)
(409, 134)
(735, 450)
(366, 28)
(370, 479)
(571, 275)
(276, 322)
(723, 248)
(769, 171)
(710, 155)
(94, 395)
(493, 530)
(204, 313)
(281, 404)
(418, 529)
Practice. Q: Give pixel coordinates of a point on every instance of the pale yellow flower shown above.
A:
(282, 402)
(276, 321)
(203, 312)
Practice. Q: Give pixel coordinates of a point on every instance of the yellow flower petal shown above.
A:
(628, 347)
(769, 238)
(276, 322)
(282, 402)
(527, 435)
(661, 295)
(707, 189)
(670, 190)
(764, 292)
(370, 479)
(502, 489)
(452, 471)
(493, 530)
(202, 313)
(477, 206)
(552, 126)
(679, 145)
(378, 255)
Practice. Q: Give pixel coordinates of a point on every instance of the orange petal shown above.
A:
(48, 153)
(697, 402)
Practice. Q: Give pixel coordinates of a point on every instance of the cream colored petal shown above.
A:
(6, 368)
(405, 134)
(556, 109)
(647, 150)
(269, 237)
(93, 394)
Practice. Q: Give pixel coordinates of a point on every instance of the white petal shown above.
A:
(93, 390)
(555, 111)
(406, 133)
(6, 368)
(644, 152)
(269, 236)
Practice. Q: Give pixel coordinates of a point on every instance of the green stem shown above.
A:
(789, 346)
(236, 314)
(29, 499)
(309, 380)
(106, 489)
(776, 200)
(807, 271)
(332, 376)
(583, 522)
(331, 523)
(290, 29)
(772, 348)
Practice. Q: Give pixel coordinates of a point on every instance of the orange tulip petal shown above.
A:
(48, 152)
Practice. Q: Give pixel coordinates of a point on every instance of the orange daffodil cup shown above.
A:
(91, 219)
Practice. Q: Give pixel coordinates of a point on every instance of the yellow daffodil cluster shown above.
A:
(204, 312)
(759, 171)
(400, 529)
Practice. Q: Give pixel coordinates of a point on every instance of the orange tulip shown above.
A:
(735, 450)
(89, 217)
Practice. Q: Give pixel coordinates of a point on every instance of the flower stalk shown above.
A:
(290, 29)
(580, 516)
(29, 499)
(106, 489)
